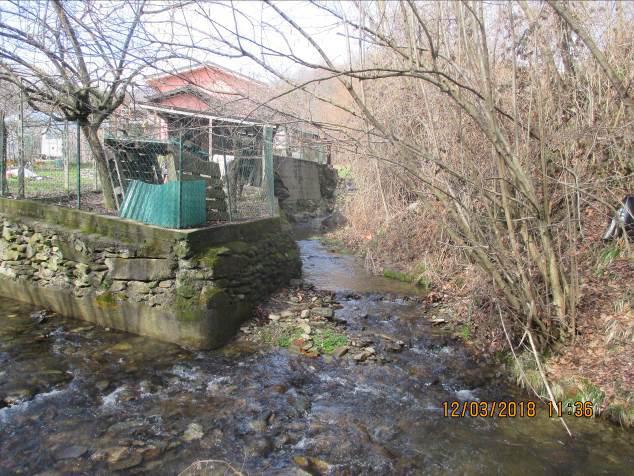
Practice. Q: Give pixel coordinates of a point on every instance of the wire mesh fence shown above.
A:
(41, 160)
(181, 172)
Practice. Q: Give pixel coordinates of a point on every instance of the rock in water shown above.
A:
(193, 432)
(326, 312)
(312, 465)
(466, 395)
(131, 461)
(71, 452)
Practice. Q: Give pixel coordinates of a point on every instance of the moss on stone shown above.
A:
(418, 280)
(181, 249)
(106, 300)
(209, 258)
(186, 289)
(152, 248)
(209, 294)
(106, 282)
(239, 247)
(187, 309)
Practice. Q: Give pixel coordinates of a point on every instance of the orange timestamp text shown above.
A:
(489, 409)
(515, 409)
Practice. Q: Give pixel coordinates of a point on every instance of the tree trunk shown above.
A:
(96, 147)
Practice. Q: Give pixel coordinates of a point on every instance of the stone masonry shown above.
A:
(191, 287)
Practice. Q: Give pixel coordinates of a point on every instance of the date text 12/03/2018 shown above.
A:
(515, 409)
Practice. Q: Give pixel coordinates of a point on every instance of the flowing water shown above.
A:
(76, 394)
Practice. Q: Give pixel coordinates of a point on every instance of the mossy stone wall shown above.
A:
(191, 287)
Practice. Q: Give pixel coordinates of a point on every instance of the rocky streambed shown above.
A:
(303, 321)
(339, 374)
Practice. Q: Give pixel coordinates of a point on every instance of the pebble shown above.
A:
(112, 455)
(133, 460)
(259, 425)
(326, 312)
(258, 447)
(71, 452)
(193, 432)
(18, 396)
(274, 317)
(151, 452)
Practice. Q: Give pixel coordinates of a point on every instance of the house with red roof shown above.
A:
(222, 113)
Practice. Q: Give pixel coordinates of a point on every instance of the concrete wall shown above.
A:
(304, 186)
(191, 287)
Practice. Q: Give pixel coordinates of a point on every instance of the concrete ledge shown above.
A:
(125, 316)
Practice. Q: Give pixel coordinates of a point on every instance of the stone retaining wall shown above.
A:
(191, 287)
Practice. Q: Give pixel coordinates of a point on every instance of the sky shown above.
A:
(197, 23)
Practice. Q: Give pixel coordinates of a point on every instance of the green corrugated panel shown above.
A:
(172, 205)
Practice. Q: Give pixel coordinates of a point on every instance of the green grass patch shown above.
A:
(324, 340)
(328, 340)
(54, 180)
(344, 172)
(464, 332)
(606, 257)
(587, 392)
(621, 413)
(397, 275)
(288, 335)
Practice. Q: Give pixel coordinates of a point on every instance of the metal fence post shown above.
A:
(3, 156)
(267, 168)
(21, 151)
(78, 166)
(66, 157)
(228, 187)
(180, 180)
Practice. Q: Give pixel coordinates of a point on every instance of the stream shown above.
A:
(79, 399)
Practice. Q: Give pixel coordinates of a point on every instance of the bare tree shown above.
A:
(74, 61)
(456, 98)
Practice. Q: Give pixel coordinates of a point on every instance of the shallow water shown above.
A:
(76, 390)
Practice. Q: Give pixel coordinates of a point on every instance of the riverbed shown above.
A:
(76, 398)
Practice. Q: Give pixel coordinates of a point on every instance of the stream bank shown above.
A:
(86, 400)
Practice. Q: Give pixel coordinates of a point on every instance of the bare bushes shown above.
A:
(506, 121)
(514, 148)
